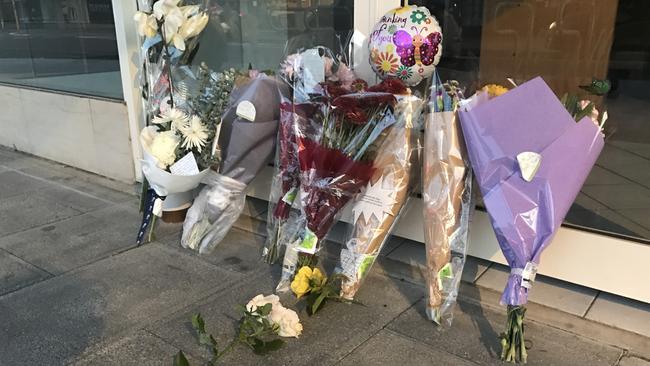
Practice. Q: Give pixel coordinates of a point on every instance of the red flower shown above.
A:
(390, 85)
(334, 89)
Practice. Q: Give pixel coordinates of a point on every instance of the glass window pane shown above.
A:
(568, 42)
(66, 45)
(255, 32)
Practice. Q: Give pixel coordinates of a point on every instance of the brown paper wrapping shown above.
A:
(393, 162)
(446, 196)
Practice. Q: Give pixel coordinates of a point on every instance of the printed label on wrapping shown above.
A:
(445, 272)
(290, 196)
(309, 242)
(354, 265)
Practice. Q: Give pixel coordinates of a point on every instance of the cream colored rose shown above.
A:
(287, 320)
(261, 300)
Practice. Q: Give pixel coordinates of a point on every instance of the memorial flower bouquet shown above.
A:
(530, 157)
(180, 145)
(246, 142)
(376, 209)
(302, 111)
(447, 201)
(337, 163)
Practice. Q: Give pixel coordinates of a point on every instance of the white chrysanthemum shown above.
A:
(195, 134)
(177, 117)
(163, 148)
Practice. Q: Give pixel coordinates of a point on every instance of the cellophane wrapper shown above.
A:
(376, 210)
(447, 203)
(286, 180)
(213, 212)
(525, 215)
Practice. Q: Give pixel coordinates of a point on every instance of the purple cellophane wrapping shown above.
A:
(526, 215)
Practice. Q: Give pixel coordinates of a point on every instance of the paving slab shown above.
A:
(251, 224)
(53, 322)
(240, 251)
(336, 330)
(138, 349)
(556, 294)
(71, 243)
(621, 313)
(474, 336)
(59, 174)
(392, 349)
(27, 211)
(16, 273)
(14, 184)
(633, 361)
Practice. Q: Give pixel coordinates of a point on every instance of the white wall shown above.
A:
(86, 133)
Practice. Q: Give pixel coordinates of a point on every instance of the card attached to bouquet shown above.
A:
(246, 110)
(376, 201)
(313, 68)
(185, 166)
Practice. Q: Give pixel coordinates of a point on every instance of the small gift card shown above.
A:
(313, 69)
(529, 164)
(185, 166)
(246, 110)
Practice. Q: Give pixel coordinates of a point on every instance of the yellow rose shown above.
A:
(304, 271)
(317, 277)
(300, 286)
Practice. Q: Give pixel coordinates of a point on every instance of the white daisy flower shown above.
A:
(195, 134)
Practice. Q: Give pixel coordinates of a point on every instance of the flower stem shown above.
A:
(512, 341)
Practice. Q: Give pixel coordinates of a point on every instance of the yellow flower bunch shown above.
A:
(306, 280)
(494, 90)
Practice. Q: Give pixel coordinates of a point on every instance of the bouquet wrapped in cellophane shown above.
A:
(176, 142)
(377, 208)
(302, 112)
(337, 162)
(245, 144)
(447, 201)
(530, 158)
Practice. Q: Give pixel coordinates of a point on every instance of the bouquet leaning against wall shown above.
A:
(176, 140)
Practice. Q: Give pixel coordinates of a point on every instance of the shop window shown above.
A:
(569, 42)
(64, 45)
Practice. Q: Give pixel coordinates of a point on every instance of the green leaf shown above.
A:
(198, 323)
(261, 347)
(264, 310)
(319, 301)
(180, 359)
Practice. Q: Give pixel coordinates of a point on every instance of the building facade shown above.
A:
(69, 92)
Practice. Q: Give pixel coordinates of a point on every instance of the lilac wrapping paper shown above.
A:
(526, 215)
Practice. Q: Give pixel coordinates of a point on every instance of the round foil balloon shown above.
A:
(406, 43)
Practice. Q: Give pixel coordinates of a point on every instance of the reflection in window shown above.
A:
(255, 32)
(66, 45)
(568, 42)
